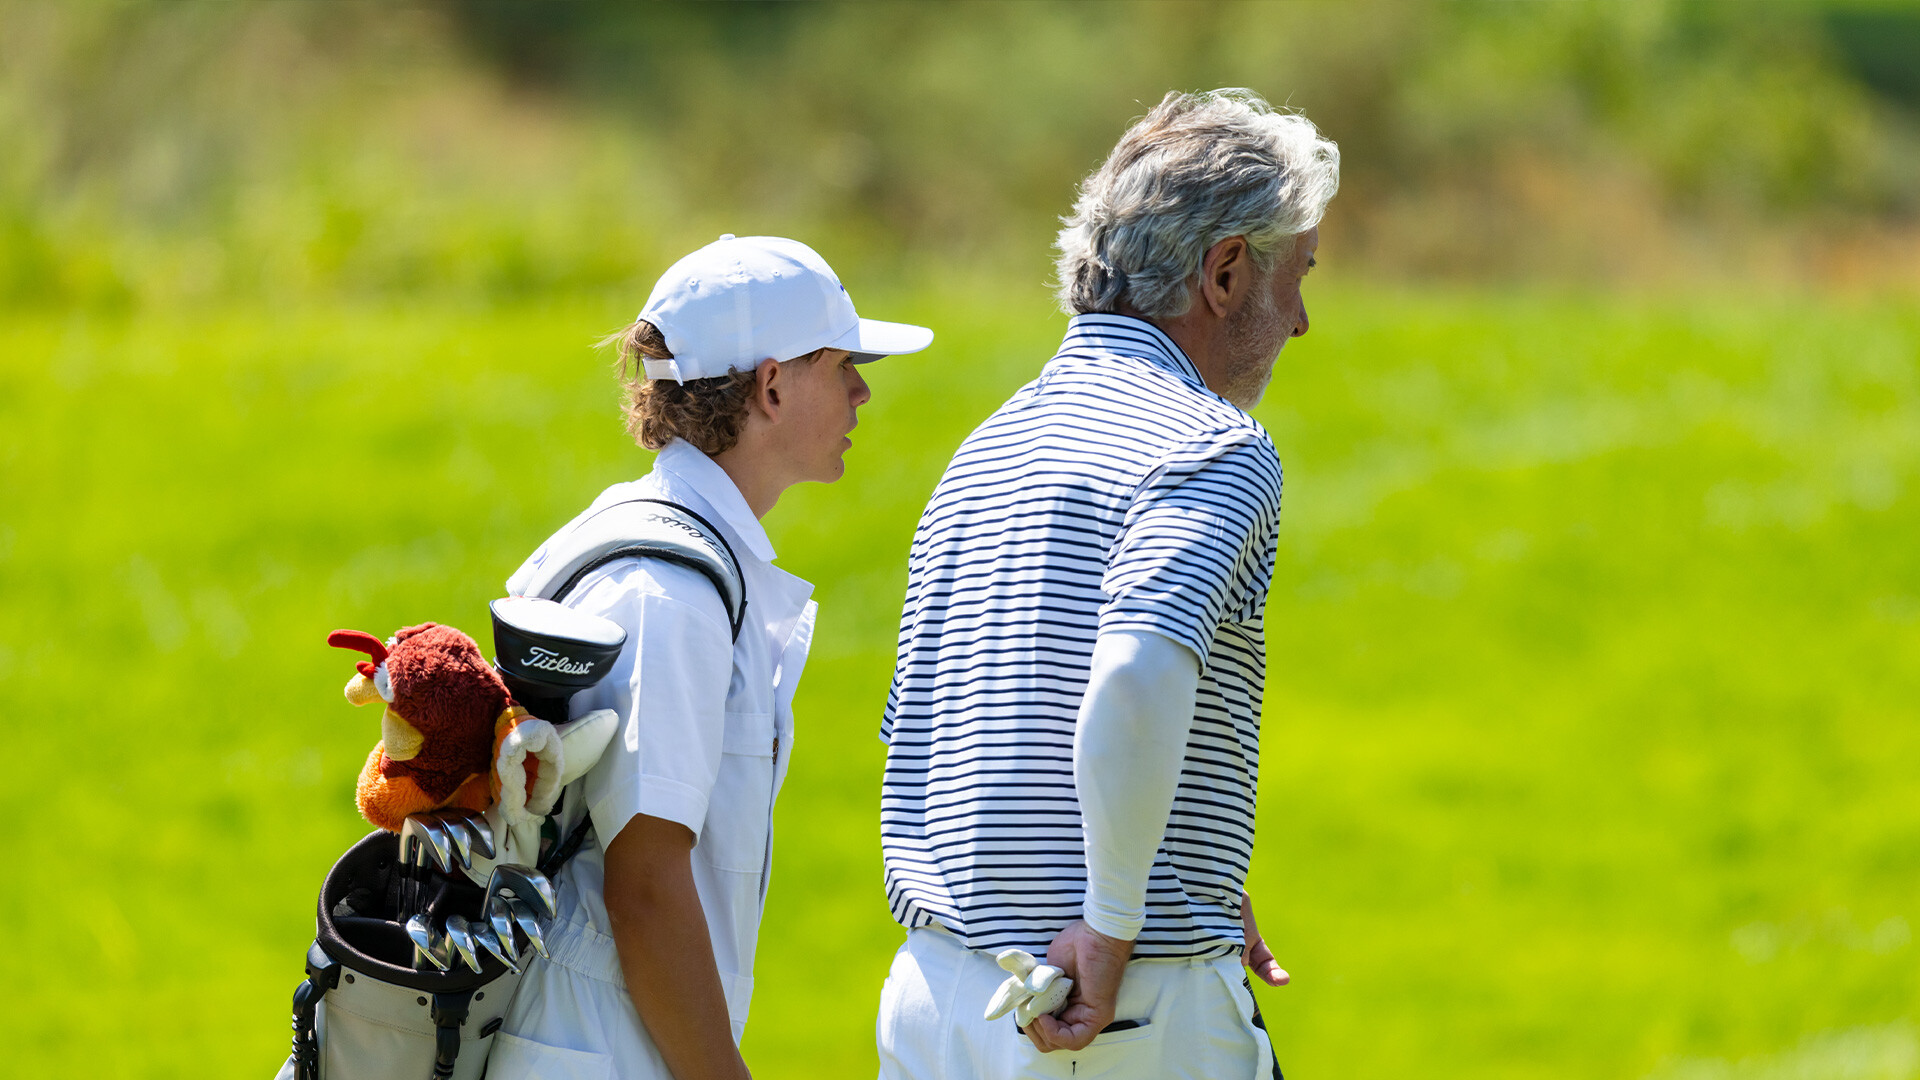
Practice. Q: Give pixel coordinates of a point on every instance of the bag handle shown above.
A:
(448, 1013)
(323, 974)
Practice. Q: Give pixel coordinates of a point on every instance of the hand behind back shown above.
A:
(1095, 963)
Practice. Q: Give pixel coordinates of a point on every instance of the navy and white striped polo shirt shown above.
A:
(1115, 491)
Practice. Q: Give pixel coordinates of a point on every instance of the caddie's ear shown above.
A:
(767, 388)
(1226, 272)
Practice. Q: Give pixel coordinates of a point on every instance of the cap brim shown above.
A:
(872, 339)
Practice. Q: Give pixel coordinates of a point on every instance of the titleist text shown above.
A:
(547, 660)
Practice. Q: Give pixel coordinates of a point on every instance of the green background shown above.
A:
(1595, 634)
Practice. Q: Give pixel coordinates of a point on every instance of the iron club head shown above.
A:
(460, 933)
(479, 835)
(529, 923)
(453, 825)
(526, 883)
(490, 941)
(501, 918)
(437, 841)
(410, 849)
(428, 945)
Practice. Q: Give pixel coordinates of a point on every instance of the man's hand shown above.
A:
(1095, 963)
(1259, 958)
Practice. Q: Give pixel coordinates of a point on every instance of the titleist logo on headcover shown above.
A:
(547, 660)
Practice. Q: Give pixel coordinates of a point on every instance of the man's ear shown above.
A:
(1225, 272)
(767, 388)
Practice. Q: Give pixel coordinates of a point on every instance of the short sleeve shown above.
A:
(665, 756)
(1196, 547)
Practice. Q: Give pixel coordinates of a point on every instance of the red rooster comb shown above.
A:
(360, 641)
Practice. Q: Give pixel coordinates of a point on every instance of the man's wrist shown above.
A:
(1108, 924)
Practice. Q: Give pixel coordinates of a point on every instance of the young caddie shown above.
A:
(741, 371)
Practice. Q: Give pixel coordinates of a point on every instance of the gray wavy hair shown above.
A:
(1197, 169)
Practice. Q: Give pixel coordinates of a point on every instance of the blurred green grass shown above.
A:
(1594, 649)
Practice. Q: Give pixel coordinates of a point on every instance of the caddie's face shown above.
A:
(822, 400)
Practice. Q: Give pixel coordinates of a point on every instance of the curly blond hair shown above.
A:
(709, 413)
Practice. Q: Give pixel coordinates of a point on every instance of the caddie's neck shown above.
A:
(756, 482)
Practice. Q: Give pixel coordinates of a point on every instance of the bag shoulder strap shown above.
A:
(634, 529)
(640, 529)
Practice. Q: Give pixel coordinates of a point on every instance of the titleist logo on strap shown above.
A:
(548, 660)
(684, 526)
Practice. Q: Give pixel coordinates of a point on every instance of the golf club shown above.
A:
(529, 923)
(427, 945)
(460, 933)
(438, 842)
(472, 827)
(526, 883)
(482, 836)
(501, 918)
(410, 852)
(489, 941)
(459, 833)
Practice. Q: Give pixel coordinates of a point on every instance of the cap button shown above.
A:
(726, 236)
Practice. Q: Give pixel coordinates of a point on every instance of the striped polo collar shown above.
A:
(1129, 336)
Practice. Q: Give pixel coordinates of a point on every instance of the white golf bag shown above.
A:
(396, 986)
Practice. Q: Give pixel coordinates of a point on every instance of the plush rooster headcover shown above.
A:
(446, 714)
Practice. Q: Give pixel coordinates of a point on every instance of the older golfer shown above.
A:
(1074, 724)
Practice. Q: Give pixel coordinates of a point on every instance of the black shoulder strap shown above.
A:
(701, 555)
(568, 847)
(636, 529)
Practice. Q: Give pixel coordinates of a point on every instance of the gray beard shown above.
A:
(1249, 363)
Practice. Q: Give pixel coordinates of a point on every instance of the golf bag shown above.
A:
(370, 1007)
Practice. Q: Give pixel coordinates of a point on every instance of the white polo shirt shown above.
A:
(706, 731)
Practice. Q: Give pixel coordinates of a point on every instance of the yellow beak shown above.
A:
(361, 691)
(400, 739)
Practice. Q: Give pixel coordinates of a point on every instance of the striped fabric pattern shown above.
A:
(1114, 491)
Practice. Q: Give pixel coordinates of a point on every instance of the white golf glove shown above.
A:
(1032, 989)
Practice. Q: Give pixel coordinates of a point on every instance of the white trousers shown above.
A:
(1176, 1019)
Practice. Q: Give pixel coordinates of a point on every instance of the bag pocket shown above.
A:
(515, 1058)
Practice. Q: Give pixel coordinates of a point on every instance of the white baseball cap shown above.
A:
(744, 299)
